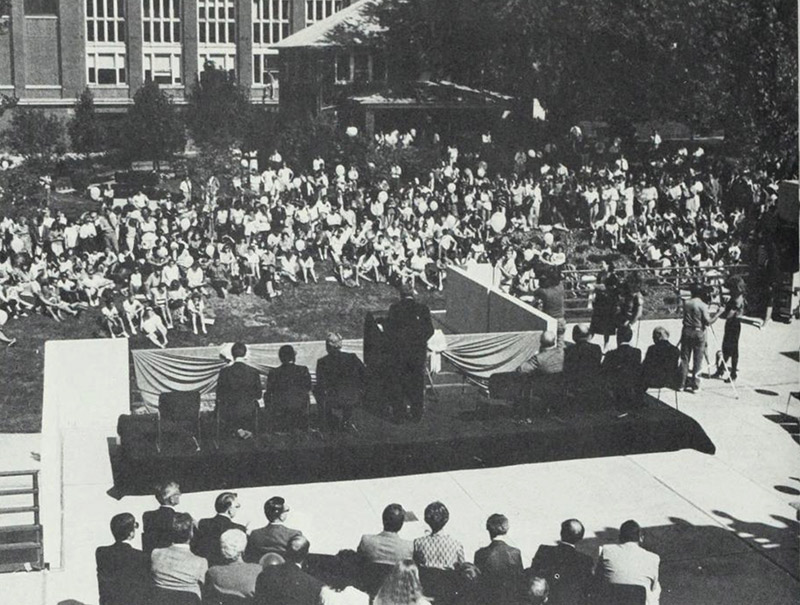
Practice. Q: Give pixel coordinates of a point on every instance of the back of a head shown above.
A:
(401, 586)
(182, 528)
(572, 531)
(287, 354)
(436, 516)
(274, 508)
(224, 502)
(624, 335)
(271, 559)
(297, 549)
(535, 590)
(630, 531)
(122, 525)
(580, 333)
(168, 493)
(660, 333)
(232, 544)
(497, 525)
(238, 350)
(697, 290)
(394, 516)
(333, 341)
(547, 340)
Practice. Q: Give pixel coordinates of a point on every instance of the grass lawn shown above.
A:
(304, 312)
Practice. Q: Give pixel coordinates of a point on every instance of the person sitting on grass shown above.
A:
(113, 319)
(159, 301)
(133, 311)
(53, 305)
(153, 327)
(176, 301)
(3, 338)
(307, 266)
(196, 307)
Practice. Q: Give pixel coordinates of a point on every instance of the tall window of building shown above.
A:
(270, 25)
(216, 33)
(161, 21)
(105, 42)
(161, 41)
(359, 66)
(317, 10)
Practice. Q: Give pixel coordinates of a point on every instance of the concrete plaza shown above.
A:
(723, 525)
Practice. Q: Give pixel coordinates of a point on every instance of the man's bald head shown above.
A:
(547, 340)
(572, 531)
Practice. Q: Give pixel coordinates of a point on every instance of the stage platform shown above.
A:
(461, 430)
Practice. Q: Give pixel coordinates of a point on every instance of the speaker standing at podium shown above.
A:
(408, 328)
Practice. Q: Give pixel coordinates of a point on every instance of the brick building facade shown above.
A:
(51, 49)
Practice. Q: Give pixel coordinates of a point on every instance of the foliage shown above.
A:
(218, 109)
(20, 190)
(153, 129)
(85, 128)
(34, 133)
(707, 63)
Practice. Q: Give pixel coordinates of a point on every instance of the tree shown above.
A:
(153, 129)
(35, 134)
(85, 129)
(218, 109)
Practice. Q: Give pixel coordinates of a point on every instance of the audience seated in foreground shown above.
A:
(206, 541)
(387, 546)
(629, 563)
(123, 572)
(438, 550)
(500, 565)
(288, 584)
(232, 576)
(402, 586)
(567, 570)
(157, 524)
(275, 536)
(175, 567)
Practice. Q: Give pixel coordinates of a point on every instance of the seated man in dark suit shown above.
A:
(622, 372)
(288, 584)
(157, 524)
(543, 372)
(286, 397)
(582, 364)
(238, 392)
(661, 366)
(273, 537)
(500, 564)
(206, 538)
(567, 570)
(340, 384)
(123, 572)
(387, 547)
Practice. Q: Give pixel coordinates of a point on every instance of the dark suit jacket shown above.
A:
(123, 573)
(582, 362)
(573, 568)
(270, 538)
(205, 542)
(501, 568)
(409, 327)
(622, 374)
(287, 584)
(288, 387)
(238, 388)
(157, 528)
(661, 365)
(340, 380)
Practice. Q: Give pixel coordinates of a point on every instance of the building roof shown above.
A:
(441, 93)
(354, 25)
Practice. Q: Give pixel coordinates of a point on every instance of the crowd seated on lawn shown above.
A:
(279, 225)
(218, 561)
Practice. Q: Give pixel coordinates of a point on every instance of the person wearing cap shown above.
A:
(157, 524)
(387, 547)
(205, 542)
(286, 397)
(238, 390)
(274, 536)
(408, 328)
(123, 572)
(340, 384)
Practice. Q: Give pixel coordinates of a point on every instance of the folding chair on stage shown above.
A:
(180, 408)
